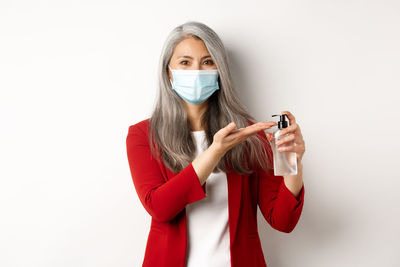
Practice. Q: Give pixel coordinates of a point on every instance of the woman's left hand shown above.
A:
(294, 135)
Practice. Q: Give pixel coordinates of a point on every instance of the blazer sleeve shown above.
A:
(162, 199)
(278, 205)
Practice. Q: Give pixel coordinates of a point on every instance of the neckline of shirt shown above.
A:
(198, 134)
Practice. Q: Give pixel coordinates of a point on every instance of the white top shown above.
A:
(207, 220)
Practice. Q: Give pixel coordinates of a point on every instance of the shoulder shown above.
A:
(138, 132)
(141, 127)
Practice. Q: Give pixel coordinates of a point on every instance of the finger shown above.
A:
(236, 130)
(299, 140)
(254, 128)
(269, 122)
(295, 148)
(296, 138)
(292, 119)
(265, 125)
(262, 124)
(243, 133)
(269, 135)
(227, 129)
(286, 139)
(289, 129)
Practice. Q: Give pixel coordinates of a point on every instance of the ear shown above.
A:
(170, 74)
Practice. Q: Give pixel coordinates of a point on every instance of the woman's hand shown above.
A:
(294, 135)
(227, 137)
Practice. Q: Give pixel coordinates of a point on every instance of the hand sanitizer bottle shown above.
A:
(285, 162)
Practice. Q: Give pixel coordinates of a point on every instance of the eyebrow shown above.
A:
(192, 57)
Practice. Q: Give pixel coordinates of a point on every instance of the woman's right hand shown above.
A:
(227, 137)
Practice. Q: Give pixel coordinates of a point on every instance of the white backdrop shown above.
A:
(75, 74)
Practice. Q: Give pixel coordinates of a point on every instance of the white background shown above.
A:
(75, 74)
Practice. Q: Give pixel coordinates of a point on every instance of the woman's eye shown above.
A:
(207, 62)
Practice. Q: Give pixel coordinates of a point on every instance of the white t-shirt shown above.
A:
(207, 220)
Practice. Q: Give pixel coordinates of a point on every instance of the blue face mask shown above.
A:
(195, 86)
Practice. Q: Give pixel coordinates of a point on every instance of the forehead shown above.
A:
(190, 47)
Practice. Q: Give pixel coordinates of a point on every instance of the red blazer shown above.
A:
(165, 194)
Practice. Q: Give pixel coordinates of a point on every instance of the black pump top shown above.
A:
(282, 123)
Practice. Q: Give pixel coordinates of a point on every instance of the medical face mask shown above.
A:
(195, 86)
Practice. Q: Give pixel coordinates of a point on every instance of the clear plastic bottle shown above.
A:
(285, 162)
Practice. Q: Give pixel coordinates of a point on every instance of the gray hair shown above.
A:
(170, 133)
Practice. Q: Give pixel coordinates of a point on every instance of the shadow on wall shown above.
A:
(246, 88)
(318, 229)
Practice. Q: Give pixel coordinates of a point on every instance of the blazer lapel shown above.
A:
(234, 200)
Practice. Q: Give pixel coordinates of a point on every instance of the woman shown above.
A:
(198, 177)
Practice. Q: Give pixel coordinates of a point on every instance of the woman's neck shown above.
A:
(195, 114)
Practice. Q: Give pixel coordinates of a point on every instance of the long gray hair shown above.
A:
(170, 132)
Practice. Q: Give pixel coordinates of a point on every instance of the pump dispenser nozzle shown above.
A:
(282, 123)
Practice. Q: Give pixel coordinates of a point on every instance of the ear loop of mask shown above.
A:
(171, 72)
